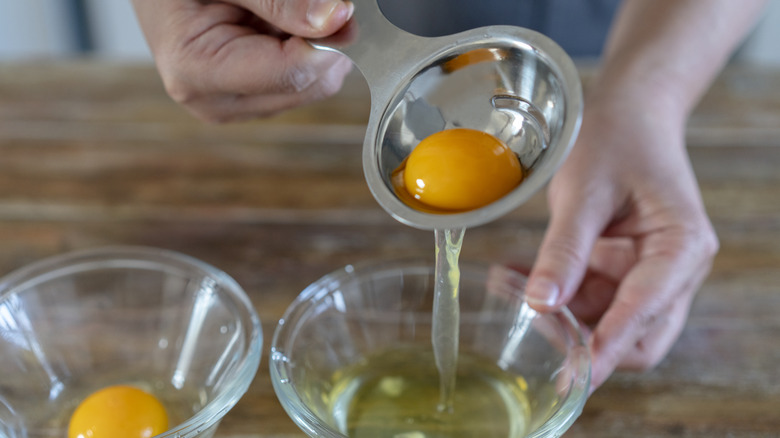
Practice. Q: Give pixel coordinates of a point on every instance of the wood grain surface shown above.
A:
(95, 154)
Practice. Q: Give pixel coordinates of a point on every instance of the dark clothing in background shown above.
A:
(579, 26)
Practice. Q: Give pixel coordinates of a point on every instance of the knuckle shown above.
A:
(311, 82)
(643, 359)
(711, 244)
(176, 85)
(284, 14)
(644, 320)
(702, 242)
(180, 91)
(171, 65)
(274, 8)
(699, 242)
(702, 237)
(566, 250)
(297, 79)
(639, 320)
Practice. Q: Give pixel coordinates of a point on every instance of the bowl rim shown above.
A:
(560, 420)
(119, 255)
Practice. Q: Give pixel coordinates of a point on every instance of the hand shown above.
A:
(238, 59)
(629, 242)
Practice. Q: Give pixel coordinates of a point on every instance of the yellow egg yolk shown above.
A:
(118, 412)
(460, 170)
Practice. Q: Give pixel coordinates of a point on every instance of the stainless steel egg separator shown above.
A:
(511, 82)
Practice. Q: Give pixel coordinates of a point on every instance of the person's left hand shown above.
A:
(629, 242)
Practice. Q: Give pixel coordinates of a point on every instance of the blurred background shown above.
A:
(67, 28)
(107, 29)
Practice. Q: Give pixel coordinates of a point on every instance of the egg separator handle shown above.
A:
(388, 57)
(382, 52)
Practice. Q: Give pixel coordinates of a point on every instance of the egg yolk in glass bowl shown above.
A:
(119, 411)
(457, 170)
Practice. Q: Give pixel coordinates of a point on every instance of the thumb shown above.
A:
(576, 222)
(304, 18)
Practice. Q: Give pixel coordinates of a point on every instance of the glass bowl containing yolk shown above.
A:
(119, 411)
(457, 170)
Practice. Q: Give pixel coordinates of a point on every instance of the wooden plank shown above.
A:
(95, 154)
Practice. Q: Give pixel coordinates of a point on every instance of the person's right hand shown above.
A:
(240, 59)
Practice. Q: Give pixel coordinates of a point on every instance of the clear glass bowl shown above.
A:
(354, 313)
(170, 324)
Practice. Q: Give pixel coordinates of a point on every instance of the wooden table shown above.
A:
(95, 154)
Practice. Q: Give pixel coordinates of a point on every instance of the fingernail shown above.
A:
(320, 11)
(302, 78)
(542, 291)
